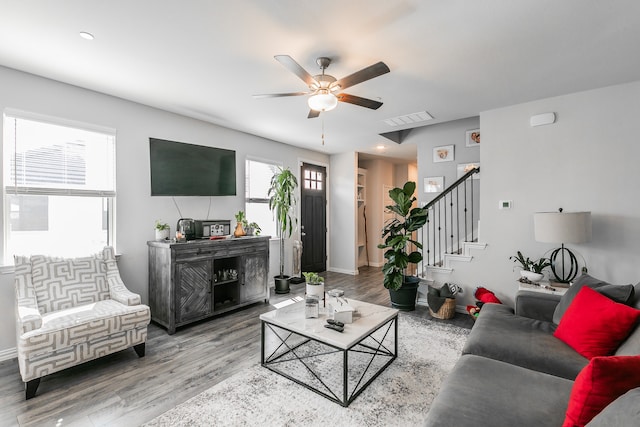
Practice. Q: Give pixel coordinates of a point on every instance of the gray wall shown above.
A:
(450, 133)
(342, 213)
(586, 161)
(136, 210)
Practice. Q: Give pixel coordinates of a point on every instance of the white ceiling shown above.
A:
(205, 58)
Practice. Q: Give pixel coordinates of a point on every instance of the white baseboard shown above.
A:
(8, 354)
(344, 271)
(376, 264)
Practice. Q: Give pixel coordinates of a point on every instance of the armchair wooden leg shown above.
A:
(30, 388)
(139, 349)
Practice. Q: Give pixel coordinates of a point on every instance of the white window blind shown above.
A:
(47, 158)
(59, 186)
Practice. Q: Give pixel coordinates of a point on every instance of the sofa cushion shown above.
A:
(617, 293)
(66, 328)
(481, 391)
(594, 325)
(62, 283)
(622, 412)
(502, 335)
(601, 382)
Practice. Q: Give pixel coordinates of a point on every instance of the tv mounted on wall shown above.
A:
(180, 169)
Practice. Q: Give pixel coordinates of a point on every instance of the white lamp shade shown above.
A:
(323, 101)
(562, 227)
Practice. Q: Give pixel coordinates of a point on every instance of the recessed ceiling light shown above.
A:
(380, 147)
(86, 36)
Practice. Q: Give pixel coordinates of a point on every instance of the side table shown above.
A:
(544, 287)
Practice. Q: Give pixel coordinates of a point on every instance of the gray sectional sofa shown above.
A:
(514, 372)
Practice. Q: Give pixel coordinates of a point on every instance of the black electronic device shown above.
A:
(180, 169)
(335, 327)
(335, 322)
(207, 228)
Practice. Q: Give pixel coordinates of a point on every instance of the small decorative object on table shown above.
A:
(315, 285)
(531, 270)
(241, 220)
(163, 231)
(311, 307)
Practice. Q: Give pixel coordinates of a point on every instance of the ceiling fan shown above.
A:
(323, 87)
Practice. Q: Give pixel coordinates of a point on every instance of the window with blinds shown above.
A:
(59, 186)
(258, 175)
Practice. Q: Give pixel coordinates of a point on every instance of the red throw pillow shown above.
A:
(601, 382)
(594, 325)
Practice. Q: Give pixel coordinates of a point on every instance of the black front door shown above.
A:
(313, 213)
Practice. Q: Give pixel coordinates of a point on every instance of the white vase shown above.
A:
(531, 276)
(163, 234)
(316, 289)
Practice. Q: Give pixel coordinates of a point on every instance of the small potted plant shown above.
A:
(315, 284)
(253, 229)
(163, 231)
(240, 219)
(530, 270)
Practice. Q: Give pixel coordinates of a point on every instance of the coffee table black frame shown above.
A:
(272, 360)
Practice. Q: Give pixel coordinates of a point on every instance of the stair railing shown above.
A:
(452, 220)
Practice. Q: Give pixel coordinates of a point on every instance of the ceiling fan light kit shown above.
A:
(323, 86)
(323, 100)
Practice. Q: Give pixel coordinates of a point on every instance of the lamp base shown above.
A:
(564, 264)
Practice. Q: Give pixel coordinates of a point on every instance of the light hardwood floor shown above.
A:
(124, 390)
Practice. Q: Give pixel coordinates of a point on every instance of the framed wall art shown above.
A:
(472, 138)
(434, 184)
(443, 154)
(466, 167)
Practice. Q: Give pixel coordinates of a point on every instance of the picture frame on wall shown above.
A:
(434, 184)
(466, 167)
(472, 138)
(443, 153)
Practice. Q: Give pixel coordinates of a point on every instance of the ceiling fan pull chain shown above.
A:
(322, 131)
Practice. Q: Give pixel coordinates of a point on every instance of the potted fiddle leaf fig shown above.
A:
(398, 243)
(282, 203)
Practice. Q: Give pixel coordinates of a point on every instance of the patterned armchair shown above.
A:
(72, 310)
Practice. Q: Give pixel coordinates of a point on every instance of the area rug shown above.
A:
(401, 395)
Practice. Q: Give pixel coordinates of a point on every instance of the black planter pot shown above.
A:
(404, 299)
(281, 284)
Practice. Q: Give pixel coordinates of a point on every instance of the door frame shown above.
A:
(302, 160)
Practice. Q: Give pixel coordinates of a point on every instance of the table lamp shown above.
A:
(562, 227)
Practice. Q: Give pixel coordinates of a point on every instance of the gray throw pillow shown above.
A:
(622, 412)
(618, 293)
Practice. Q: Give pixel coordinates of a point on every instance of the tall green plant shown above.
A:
(397, 235)
(282, 203)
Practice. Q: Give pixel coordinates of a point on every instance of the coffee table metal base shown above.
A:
(318, 364)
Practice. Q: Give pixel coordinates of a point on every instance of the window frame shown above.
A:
(257, 199)
(107, 195)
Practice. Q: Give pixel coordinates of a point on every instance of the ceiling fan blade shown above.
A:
(356, 100)
(296, 69)
(313, 114)
(278, 95)
(365, 74)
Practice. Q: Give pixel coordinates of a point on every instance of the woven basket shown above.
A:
(446, 311)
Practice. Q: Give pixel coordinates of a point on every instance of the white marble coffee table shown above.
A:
(336, 365)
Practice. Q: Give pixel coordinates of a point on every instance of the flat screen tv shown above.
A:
(179, 169)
